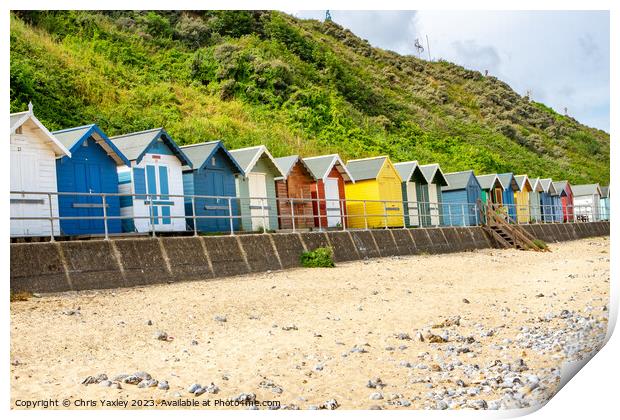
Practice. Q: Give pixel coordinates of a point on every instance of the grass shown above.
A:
(540, 244)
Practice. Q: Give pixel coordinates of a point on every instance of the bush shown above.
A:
(320, 257)
(193, 31)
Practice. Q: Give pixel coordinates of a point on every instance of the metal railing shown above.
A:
(52, 214)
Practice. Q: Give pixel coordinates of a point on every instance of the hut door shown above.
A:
(423, 204)
(258, 203)
(24, 172)
(158, 188)
(434, 204)
(413, 204)
(332, 202)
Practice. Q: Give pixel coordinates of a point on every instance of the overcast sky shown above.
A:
(562, 57)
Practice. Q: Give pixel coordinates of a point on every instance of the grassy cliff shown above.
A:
(298, 86)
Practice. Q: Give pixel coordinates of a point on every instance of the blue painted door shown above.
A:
(472, 198)
(508, 197)
(213, 183)
(216, 179)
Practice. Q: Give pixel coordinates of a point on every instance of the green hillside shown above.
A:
(298, 86)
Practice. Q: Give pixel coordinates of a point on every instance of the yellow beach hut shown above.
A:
(522, 198)
(376, 180)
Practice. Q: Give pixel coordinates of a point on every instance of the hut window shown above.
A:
(19, 130)
(85, 144)
(213, 161)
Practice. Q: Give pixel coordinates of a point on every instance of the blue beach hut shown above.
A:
(213, 174)
(460, 198)
(549, 199)
(90, 169)
(511, 186)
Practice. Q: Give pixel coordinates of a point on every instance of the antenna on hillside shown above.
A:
(419, 48)
(566, 111)
(528, 94)
(328, 16)
(486, 73)
(428, 48)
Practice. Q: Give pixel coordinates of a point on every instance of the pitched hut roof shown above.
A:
(249, 156)
(321, 166)
(200, 153)
(71, 138)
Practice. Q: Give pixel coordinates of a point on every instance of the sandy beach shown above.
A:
(486, 329)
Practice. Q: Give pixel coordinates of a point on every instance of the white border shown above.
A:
(592, 394)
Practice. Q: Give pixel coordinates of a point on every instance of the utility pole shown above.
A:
(428, 49)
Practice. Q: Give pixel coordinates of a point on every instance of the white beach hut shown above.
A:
(156, 177)
(34, 151)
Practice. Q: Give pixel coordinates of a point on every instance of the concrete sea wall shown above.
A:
(99, 264)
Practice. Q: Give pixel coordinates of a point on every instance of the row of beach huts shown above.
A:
(149, 181)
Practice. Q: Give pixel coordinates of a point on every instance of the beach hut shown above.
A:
(436, 180)
(587, 202)
(415, 193)
(212, 178)
(376, 179)
(34, 151)
(522, 198)
(535, 198)
(155, 175)
(566, 198)
(460, 198)
(294, 193)
(91, 169)
(491, 188)
(604, 203)
(328, 191)
(256, 188)
(511, 186)
(550, 206)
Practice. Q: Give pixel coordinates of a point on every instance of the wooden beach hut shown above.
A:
(34, 151)
(549, 201)
(511, 186)
(212, 176)
(416, 202)
(604, 203)
(535, 209)
(460, 198)
(566, 198)
(587, 201)
(328, 191)
(155, 175)
(436, 180)
(376, 179)
(491, 188)
(522, 198)
(91, 169)
(294, 193)
(256, 188)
